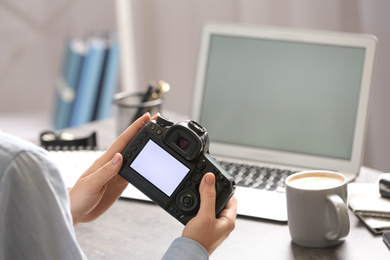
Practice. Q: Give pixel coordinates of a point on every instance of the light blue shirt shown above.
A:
(185, 248)
(35, 218)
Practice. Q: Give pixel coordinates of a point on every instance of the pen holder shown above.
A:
(130, 106)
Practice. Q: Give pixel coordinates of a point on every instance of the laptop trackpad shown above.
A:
(261, 203)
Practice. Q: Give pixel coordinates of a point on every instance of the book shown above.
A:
(369, 206)
(66, 85)
(87, 91)
(109, 82)
(101, 80)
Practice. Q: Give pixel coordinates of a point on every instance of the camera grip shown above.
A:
(341, 210)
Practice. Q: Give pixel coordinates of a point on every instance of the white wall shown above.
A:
(32, 34)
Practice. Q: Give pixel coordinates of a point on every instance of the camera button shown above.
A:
(172, 209)
(187, 201)
(134, 148)
(128, 154)
(139, 141)
(152, 127)
(197, 177)
(221, 178)
(159, 132)
(201, 164)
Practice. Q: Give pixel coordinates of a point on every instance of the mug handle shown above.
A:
(342, 217)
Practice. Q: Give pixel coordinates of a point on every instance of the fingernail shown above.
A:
(115, 159)
(210, 179)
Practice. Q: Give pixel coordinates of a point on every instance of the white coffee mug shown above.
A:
(317, 208)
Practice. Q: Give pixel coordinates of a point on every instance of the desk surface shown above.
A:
(141, 230)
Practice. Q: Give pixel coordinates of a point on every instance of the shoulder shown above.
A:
(16, 150)
(23, 165)
(11, 147)
(26, 165)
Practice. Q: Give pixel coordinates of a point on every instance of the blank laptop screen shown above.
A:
(281, 95)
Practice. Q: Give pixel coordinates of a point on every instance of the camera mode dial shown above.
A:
(163, 121)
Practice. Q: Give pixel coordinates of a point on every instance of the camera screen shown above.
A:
(160, 168)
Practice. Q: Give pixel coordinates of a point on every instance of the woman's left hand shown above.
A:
(100, 185)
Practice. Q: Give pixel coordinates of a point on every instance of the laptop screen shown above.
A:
(281, 95)
(284, 96)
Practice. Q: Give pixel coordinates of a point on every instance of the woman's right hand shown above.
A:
(205, 228)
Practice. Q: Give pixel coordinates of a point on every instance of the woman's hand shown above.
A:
(205, 228)
(100, 185)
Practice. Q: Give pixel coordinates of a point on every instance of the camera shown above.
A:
(167, 161)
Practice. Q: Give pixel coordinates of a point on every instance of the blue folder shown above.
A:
(67, 82)
(89, 83)
(109, 83)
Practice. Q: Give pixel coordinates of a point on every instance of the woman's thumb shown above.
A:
(207, 194)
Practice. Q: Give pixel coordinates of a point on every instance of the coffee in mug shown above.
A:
(315, 181)
(317, 208)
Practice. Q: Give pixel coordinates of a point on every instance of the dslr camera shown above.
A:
(167, 161)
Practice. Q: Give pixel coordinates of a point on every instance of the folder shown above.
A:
(89, 82)
(109, 81)
(66, 85)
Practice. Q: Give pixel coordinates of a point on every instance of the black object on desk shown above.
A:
(384, 187)
(51, 140)
(386, 239)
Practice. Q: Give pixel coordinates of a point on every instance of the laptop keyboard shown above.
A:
(271, 179)
(245, 175)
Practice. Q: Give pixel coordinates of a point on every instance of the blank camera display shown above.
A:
(159, 168)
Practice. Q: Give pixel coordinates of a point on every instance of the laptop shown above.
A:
(283, 99)
(274, 101)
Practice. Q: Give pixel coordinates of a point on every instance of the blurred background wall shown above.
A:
(166, 36)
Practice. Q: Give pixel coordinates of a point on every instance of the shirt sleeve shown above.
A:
(185, 248)
(35, 218)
